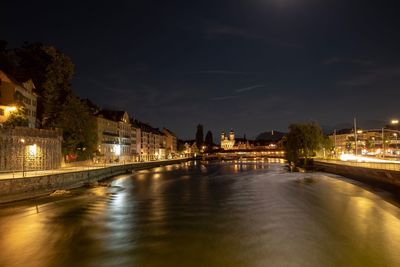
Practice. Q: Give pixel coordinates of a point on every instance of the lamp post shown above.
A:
(334, 135)
(383, 143)
(395, 135)
(355, 135)
(23, 156)
(395, 123)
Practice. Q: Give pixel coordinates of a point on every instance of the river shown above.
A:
(207, 214)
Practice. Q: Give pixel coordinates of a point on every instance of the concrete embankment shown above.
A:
(384, 178)
(30, 187)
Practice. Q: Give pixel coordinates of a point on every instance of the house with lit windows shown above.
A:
(114, 136)
(13, 95)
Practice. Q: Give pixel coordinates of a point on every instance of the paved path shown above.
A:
(18, 174)
(11, 175)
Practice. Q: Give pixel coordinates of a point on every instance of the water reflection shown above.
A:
(236, 213)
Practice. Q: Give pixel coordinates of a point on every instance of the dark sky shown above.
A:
(250, 65)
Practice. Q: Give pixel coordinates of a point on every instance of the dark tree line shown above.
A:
(51, 71)
(208, 142)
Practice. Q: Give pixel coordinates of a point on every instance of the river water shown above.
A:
(206, 214)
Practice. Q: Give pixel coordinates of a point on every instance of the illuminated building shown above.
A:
(13, 94)
(190, 148)
(136, 140)
(228, 142)
(114, 136)
(170, 142)
(232, 143)
(152, 143)
(373, 142)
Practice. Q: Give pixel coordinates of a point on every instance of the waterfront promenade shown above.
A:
(85, 166)
(44, 182)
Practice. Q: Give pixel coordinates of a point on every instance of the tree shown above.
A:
(79, 128)
(209, 140)
(7, 58)
(199, 136)
(17, 118)
(302, 141)
(50, 70)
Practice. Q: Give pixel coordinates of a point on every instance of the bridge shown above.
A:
(246, 153)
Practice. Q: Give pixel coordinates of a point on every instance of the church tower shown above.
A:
(231, 135)
(222, 136)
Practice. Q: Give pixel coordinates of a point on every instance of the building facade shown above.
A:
(114, 136)
(152, 142)
(374, 142)
(190, 148)
(228, 141)
(136, 140)
(171, 145)
(14, 94)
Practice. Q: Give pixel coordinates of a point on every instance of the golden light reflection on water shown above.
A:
(18, 236)
(233, 214)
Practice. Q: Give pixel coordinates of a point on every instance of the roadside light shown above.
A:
(359, 131)
(32, 150)
(11, 109)
(395, 122)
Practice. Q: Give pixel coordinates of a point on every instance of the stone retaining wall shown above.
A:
(30, 149)
(384, 178)
(24, 188)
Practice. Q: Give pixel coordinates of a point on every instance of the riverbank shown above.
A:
(15, 189)
(385, 178)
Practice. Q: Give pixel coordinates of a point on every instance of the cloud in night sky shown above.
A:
(213, 30)
(244, 89)
(337, 60)
(220, 98)
(376, 77)
(227, 72)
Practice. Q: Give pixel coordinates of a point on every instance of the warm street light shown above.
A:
(32, 150)
(11, 109)
(395, 122)
(23, 156)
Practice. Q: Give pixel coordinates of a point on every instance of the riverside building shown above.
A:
(170, 143)
(14, 94)
(153, 142)
(114, 136)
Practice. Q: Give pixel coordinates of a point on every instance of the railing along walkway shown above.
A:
(369, 165)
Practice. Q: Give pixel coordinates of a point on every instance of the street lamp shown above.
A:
(395, 122)
(23, 156)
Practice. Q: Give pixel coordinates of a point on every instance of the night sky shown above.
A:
(250, 65)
